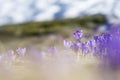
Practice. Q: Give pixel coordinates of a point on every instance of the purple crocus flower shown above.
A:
(112, 54)
(85, 48)
(42, 54)
(91, 44)
(78, 34)
(52, 50)
(79, 44)
(67, 43)
(36, 55)
(96, 38)
(75, 46)
(101, 42)
(21, 51)
(10, 53)
(108, 48)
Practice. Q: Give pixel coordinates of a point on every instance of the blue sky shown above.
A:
(18, 11)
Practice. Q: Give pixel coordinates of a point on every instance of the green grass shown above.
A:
(46, 27)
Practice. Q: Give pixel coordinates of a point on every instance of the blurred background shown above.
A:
(41, 26)
(42, 22)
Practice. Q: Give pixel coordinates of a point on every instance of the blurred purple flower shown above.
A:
(112, 53)
(108, 48)
(91, 44)
(10, 53)
(21, 51)
(102, 41)
(78, 34)
(52, 49)
(79, 44)
(36, 55)
(42, 54)
(85, 48)
(75, 46)
(67, 43)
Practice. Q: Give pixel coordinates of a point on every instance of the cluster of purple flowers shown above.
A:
(106, 46)
(112, 53)
(84, 47)
(11, 55)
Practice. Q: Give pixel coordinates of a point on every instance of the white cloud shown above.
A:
(15, 11)
(47, 14)
(79, 7)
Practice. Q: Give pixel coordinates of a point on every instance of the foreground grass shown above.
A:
(64, 64)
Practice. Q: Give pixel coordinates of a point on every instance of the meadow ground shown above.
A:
(54, 68)
(40, 63)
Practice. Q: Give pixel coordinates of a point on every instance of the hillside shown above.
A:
(55, 26)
